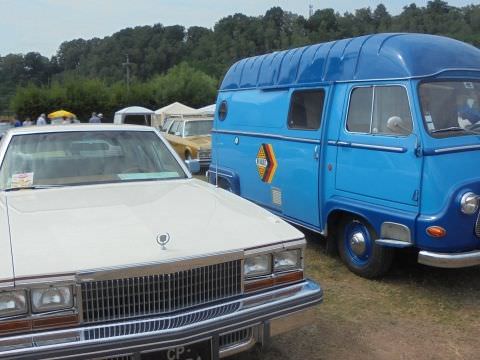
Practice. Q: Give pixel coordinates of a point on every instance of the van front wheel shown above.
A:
(356, 244)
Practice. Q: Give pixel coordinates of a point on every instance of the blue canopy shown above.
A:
(379, 56)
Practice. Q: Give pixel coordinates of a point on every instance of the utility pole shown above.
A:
(127, 68)
(310, 10)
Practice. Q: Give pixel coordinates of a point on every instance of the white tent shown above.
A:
(208, 110)
(173, 109)
(134, 115)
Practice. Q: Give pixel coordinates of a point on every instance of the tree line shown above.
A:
(81, 65)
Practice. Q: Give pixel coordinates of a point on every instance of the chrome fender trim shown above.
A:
(451, 260)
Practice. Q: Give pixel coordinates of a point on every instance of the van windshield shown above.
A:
(451, 108)
(86, 157)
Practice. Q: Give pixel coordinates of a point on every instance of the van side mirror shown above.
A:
(396, 125)
(193, 166)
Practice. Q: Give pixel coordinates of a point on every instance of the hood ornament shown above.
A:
(163, 239)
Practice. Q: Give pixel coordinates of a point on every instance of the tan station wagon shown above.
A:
(191, 139)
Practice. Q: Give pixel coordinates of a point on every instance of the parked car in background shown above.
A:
(166, 124)
(370, 141)
(191, 138)
(87, 270)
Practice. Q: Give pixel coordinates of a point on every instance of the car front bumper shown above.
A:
(449, 260)
(265, 314)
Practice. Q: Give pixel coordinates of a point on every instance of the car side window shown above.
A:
(306, 108)
(174, 128)
(380, 110)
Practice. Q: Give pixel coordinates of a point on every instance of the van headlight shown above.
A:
(257, 265)
(13, 303)
(287, 260)
(469, 203)
(52, 298)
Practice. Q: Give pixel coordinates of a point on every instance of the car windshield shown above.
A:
(451, 108)
(86, 157)
(198, 127)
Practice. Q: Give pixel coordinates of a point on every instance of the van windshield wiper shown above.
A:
(454, 128)
(33, 187)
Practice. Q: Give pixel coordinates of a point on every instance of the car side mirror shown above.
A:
(193, 166)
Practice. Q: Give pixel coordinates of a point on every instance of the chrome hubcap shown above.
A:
(357, 243)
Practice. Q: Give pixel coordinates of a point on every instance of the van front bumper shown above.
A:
(263, 315)
(449, 260)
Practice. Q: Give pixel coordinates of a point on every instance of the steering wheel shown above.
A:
(474, 126)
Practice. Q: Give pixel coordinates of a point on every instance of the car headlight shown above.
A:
(13, 303)
(287, 260)
(469, 203)
(52, 298)
(258, 265)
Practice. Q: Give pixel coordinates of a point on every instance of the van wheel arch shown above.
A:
(224, 184)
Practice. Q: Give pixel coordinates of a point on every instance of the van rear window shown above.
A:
(306, 109)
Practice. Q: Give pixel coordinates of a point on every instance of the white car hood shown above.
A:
(65, 230)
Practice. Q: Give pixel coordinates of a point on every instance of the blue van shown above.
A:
(373, 142)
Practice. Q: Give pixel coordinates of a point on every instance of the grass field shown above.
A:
(415, 312)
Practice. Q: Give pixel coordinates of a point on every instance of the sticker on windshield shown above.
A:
(22, 180)
(468, 85)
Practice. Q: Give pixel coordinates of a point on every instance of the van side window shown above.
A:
(389, 115)
(306, 109)
(360, 111)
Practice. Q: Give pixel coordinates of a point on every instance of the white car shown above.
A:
(109, 248)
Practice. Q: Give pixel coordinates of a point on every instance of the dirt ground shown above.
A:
(415, 312)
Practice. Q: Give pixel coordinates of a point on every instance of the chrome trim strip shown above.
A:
(367, 146)
(452, 149)
(301, 243)
(393, 243)
(172, 265)
(265, 135)
(379, 147)
(167, 331)
(449, 260)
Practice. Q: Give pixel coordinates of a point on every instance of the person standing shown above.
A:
(16, 122)
(27, 122)
(94, 119)
(42, 120)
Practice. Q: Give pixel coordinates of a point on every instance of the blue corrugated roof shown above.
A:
(379, 56)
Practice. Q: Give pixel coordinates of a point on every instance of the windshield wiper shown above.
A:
(454, 128)
(33, 187)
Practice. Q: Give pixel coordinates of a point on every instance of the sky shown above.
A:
(42, 25)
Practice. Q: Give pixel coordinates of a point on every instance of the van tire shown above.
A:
(357, 248)
(224, 184)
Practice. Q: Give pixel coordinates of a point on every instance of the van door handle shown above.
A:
(316, 152)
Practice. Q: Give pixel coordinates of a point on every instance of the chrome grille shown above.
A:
(107, 300)
(235, 337)
(477, 226)
(204, 154)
